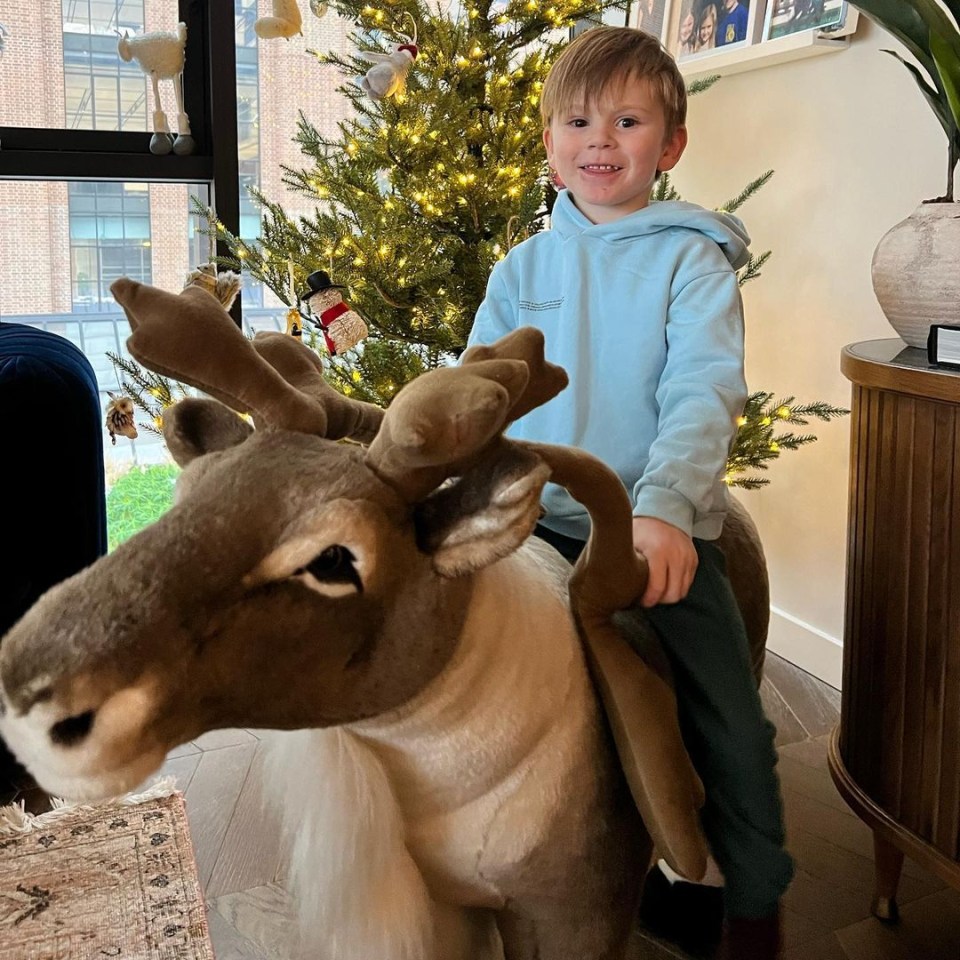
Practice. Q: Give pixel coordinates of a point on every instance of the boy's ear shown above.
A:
(673, 150)
(548, 143)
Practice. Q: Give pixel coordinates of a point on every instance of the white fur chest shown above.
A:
(486, 759)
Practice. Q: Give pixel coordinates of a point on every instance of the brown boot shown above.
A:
(748, 939)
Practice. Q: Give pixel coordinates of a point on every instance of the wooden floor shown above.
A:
(827, 908)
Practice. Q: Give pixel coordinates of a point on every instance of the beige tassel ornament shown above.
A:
(119, 418)
(224, 285)
(285, 22)
(342, 327)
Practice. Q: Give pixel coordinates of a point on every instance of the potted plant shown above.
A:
(914, 269)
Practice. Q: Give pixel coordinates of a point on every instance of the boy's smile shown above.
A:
(608, 152)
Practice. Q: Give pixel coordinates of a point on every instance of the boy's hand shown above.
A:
(671, 558)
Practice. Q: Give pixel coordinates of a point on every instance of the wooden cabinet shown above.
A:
(895, 757)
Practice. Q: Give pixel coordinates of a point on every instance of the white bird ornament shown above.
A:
(388, 75)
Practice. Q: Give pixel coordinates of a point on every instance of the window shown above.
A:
(248, 148)
(109, 238)
(99, 94)
(101, 91)
(84, 200)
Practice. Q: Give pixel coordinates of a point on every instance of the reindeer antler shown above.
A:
(301, 368)
(445, 421)
(610, 576)
(191, 337)
(526, 344)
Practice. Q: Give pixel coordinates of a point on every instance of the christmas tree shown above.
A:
(426, 187)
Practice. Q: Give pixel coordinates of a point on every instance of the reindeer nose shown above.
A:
(72, 730)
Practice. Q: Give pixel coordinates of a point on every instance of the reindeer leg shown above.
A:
(564, 931)
(519, 936)
(574, 898)
(184, 144)
(161, 142)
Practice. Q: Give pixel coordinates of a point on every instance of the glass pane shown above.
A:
(66, 243)
(82, 236)
(80, 82)
(266, 73)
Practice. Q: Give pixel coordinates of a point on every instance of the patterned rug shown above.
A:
(115, 880)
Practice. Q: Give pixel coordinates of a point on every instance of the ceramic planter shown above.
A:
(916, 271)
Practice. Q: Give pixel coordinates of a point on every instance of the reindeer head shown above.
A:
(298, 581)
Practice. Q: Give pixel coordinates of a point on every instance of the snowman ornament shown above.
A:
(341, 326)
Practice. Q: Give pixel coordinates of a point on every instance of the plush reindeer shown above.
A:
(458, 796)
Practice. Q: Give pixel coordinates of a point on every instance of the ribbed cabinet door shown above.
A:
(900, 719)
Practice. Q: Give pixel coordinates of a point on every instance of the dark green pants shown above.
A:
(726, 733)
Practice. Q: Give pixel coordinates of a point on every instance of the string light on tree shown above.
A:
(756, 442)
(430, 178)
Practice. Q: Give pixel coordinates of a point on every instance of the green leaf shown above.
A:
(899, 18)
(932, 96)
(948, 67)
(939, 23)
(954, 7)
(748, 191)
(704, 83)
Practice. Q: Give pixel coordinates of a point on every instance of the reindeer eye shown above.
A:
(335, 565)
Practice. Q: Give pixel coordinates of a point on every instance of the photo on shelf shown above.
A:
(652, 16)
(706, 27)
(794, 16)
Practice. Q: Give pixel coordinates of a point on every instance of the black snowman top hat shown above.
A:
(318, 281)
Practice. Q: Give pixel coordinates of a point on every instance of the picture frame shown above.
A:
(652, 16)
(784, 17)
(702, 28)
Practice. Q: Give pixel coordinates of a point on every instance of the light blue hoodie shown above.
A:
(644, 314)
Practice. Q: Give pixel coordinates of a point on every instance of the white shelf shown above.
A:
(795, 46)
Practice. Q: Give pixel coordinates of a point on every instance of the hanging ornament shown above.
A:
(294, 323)
(285, 22)
(119, 418)
(388, 75)
(511, 237)
(319, 7)
(342, 327)
(224, 285)
(294, 317)
(161, 56)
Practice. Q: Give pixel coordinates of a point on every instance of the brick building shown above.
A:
(61, 244)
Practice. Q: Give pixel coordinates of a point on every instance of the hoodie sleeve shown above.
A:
(497, 315)
(700, 394)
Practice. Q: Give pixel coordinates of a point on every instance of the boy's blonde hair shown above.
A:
(607, 56)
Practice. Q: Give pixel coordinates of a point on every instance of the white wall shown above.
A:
(855, 148)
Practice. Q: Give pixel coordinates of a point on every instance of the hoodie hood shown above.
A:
(726, 230)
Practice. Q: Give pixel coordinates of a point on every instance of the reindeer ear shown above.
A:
(198, 425)
(485, 514)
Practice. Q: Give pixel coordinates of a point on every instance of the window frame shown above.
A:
(30, 153)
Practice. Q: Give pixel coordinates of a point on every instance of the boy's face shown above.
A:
(608, 153)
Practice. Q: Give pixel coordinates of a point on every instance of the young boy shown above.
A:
(640, 304)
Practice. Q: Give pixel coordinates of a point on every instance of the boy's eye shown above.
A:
(628, 122)
(578, 122)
